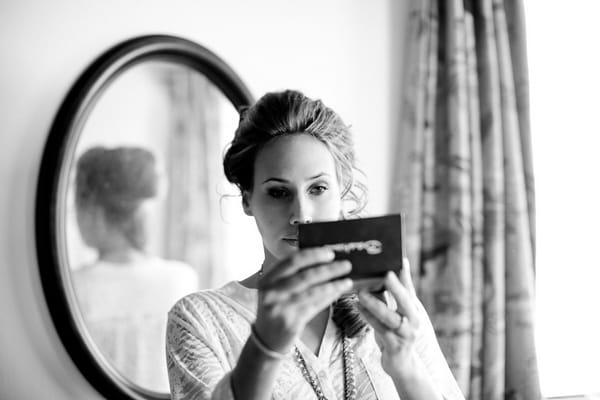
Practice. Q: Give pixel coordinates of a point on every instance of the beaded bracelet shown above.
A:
(264, 348)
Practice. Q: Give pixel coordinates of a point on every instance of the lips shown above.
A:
(292, 241)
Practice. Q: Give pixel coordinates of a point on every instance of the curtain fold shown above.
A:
(193, 228)
(467, 190)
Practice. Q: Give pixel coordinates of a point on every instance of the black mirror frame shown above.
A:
(63, 134)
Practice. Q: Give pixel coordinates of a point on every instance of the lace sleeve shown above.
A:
(195, 357)
(431, 354)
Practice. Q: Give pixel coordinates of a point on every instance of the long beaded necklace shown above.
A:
(349, 383)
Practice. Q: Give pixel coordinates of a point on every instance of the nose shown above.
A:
(301, 212)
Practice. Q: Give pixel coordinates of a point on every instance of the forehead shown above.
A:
(294, 156)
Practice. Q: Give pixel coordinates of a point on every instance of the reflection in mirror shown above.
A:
(147, 202)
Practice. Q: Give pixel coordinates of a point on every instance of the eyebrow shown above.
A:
(275, 179)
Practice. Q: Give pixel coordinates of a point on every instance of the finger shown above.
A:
(382, 330)
(308, 278)
(404, 300)
(405, 276)
(403, 331)
(389, 300)
(300, 259)
(317, 298)
(379, 310)
(371, 319)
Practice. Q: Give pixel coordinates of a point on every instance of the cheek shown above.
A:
(330, 207)
(267, 219)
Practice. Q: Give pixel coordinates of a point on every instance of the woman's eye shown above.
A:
(277, 193)
(319, 189)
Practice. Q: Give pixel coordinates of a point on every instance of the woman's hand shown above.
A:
(396, 328)
(294, 291)
(396, 332)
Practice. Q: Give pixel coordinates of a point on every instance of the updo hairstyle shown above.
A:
(117, 180)
(278, 114)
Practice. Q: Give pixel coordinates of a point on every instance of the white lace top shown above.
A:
(124, 307)
(207, 331)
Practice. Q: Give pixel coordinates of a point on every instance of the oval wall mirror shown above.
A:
(129, 213)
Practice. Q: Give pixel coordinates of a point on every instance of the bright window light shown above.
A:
(564, 70)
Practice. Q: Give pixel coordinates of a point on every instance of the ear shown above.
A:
(246, 202)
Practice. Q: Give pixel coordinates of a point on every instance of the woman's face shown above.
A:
(294, 182)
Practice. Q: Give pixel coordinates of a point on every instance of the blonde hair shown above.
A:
(117, 180)
(284, 113)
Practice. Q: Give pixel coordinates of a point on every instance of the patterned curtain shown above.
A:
(464, 180)
(193, 225)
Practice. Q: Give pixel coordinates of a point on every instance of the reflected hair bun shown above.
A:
(121, 176)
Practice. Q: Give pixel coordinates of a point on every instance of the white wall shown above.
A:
(342, 51)
(564, 86)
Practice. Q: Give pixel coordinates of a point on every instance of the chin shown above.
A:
(284, 250)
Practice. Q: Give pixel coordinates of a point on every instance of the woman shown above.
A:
(125, 294)
(291, 331)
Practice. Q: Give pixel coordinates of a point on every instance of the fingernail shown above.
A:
(362, 295)
(344, 269)
(347, 283)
